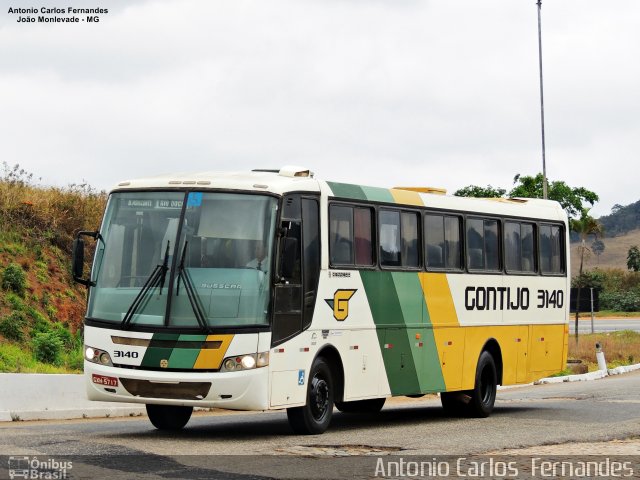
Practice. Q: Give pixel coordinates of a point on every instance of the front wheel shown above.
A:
(315, 416)
(169, 417)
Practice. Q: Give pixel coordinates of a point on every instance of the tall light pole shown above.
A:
(544, 160)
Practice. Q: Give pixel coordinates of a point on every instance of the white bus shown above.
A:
(272, 289)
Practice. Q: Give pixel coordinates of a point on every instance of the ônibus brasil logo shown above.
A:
(340, 303)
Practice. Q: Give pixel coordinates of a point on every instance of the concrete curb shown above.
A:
(589, 376)
(68, 414)
(33, 396)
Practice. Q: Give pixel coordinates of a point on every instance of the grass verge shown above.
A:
(620, 348)
(17, 359)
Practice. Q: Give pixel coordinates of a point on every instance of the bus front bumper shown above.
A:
(243, 390)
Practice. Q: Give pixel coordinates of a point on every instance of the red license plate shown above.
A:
(104, 380)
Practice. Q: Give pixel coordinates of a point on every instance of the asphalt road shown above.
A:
(131, 448)
(600, 326)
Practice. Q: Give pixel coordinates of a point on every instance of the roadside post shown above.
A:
(602, 364)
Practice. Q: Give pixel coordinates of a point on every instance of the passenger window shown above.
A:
(399, 239)
(363, 236)
(389, 238)
(475, 244)
(410, 256)
(350, 235)
(341, 235)
(551, 251)
(519, 247)
(483, 244)
(442, 234)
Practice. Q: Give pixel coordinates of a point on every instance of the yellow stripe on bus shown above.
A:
(406, 197)
(211, 359)
(449, 337)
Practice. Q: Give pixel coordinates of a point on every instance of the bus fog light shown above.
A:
(96, 355)
(229, 364)
(263, 359)
(248, 362)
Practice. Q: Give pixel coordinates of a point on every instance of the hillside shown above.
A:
(621, 231)
(614, 255)
(622, 220)
(41, 308)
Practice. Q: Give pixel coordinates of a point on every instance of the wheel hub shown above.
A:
(320, 397)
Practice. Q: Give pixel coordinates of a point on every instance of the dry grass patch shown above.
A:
(620, 348)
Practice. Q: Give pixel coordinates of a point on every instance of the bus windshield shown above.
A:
(191, 260)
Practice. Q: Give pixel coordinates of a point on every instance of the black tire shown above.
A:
(483, 395)
(373, 405)
(314, 418)
(169, 417)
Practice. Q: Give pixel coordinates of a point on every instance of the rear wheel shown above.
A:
(314, 417)
(373, 405)
(479, 401)
(169, 417)
(483, 395)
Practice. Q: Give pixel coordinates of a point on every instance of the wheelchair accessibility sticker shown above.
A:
(300, 377)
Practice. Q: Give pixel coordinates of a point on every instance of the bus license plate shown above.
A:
(104, 380)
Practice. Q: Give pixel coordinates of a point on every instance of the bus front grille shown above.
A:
(174, 391)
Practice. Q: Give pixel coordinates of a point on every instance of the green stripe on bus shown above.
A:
(192, 338)
(154, 355)
(183, 357)
(347, 190)
(383, 300)
(410, 297)
(392, 334)
(419, 331)
(186, 357)
(376, 194)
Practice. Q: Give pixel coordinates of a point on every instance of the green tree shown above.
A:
(572, 199)
(633, 259)
(480, 192)
(584, 226)
(597, 247)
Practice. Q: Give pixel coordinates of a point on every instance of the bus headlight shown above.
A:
(95, 355)
(245, 362)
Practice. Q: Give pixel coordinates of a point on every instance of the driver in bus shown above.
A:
(258, 262)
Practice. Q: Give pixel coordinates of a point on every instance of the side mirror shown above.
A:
(290, 256)
(77, 258)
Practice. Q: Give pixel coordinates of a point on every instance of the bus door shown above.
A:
(295, 291)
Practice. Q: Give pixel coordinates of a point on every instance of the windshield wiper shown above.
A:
(156, 278)
(194, 300)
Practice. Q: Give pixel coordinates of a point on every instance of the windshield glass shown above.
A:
(219, 266)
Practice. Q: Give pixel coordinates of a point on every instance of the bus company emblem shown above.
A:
(340, 303)
(164, 363)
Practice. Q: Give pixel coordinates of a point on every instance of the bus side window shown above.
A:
(389, 238)
(341, 234)
(551, 251)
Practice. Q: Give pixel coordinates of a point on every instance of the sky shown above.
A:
(441, 93)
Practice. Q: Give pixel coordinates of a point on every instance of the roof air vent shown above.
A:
(295, 171)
